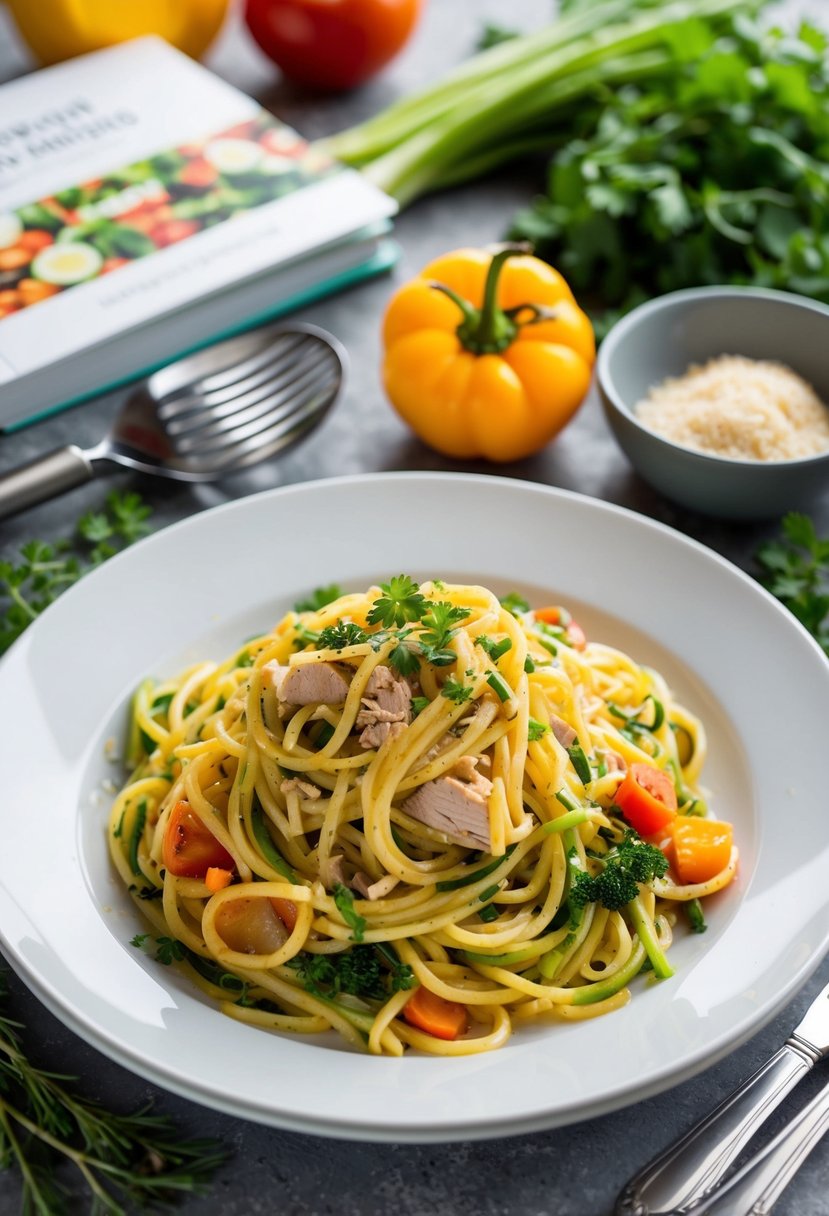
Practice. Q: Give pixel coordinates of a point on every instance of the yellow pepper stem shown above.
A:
(488, 330)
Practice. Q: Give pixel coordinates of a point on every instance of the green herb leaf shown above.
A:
(515, 603)
(419, 704)
(454, 691)
(401, 603)
(318, 599)
(536, 730)
(340, 635)
(344, 899)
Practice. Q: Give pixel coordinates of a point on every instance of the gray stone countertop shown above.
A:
(570, 1171)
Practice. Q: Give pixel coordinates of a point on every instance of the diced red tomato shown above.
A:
(189, 848)
(198, 172)
(172, 231)
(647, 799)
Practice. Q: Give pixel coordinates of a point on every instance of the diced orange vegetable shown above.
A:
(199, 173)
(216, 878)
(702, 847)
(32, 291)
(647, 799)
(9, 298)
(550, 615)
(438, 1017)
(287, 912)
(14, 258)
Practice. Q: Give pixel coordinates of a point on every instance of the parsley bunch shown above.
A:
(795, 569)
(710, 170)
(39, 572)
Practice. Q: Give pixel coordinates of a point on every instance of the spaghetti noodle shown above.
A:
(397, 815)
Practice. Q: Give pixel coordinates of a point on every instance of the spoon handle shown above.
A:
(43, 478)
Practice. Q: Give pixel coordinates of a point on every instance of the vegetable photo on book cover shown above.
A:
(86, 231)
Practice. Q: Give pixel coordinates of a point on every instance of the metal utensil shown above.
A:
(222, 409)
(755, 1188)
(690, 1168)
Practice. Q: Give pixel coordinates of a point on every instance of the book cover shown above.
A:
(133, 182)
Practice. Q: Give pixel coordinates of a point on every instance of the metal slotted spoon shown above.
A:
(224, 408)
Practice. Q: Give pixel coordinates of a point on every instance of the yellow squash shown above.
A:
(487, 355)
(60, 29)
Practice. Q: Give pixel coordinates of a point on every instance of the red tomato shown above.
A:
(198, 172)
(172, 231)
(189, 848)
(647, 799)
(331, 44)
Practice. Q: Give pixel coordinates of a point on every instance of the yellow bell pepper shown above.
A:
(487, 355)
(59, 29)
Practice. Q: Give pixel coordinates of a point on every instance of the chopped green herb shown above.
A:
(494, 649)
(340, 635)
(357, 971)
(795, 569)
(489, 893)
(489, 913)
(696, 916)
(536, 730)
(138, 940)
(499, 686)
(404, 660)
(580, 763)
(245, 659)
(319, 598)
(169, 950)
(529, 665)
(135, 836)
(454, 691)
(419, 704)
(344, 899)
(325, 734)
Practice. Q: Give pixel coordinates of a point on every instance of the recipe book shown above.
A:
(147, 208)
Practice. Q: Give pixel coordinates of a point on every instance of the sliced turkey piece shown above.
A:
(563, 731)
(386, 707)
(458, 809)
(309, 683)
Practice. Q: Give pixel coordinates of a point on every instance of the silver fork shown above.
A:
(224, 408)
(679, 1179)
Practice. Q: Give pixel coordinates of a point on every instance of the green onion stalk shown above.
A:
(507, 101)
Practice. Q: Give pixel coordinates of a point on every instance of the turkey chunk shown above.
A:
(309, 683)
(386, 707)
(458, 809)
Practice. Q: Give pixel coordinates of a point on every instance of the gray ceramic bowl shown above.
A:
(662, 338)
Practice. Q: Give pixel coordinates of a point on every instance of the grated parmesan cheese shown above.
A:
(747, 409)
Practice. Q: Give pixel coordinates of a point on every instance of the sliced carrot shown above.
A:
(438, 1017)
(702, 847)
(647, 799)
(551, 615)
(287, 912)
(216, 879)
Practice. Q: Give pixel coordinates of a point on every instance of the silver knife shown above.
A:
(692, 1166)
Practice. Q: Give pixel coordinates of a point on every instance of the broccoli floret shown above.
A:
(628, 864)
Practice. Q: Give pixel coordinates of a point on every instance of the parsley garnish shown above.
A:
(419, 704)
(340, 635)
(515, 603)
(453, 690)
(795, 569)
(30, 582)
(439, 627)
(404, 660)
(168, 949)
(492, 648)
(319, 598)
(536, 730)
(344, 900)
(401, 603)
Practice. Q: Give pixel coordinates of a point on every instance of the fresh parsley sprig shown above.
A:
(439, 627)
(401, 603)
(456, 692)
(340, 635)
(37, 575)
(795, 569)
(134, 1159)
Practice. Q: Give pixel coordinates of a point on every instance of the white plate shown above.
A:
(196, 589)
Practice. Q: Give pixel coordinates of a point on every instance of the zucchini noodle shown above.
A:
(382, 816)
